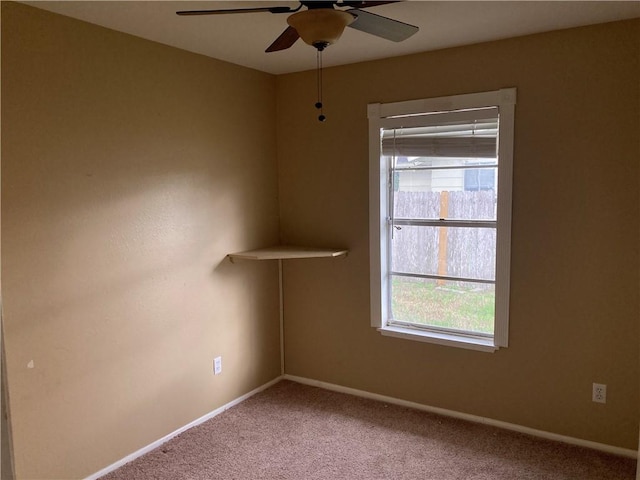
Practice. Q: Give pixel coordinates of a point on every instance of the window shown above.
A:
(440, 218)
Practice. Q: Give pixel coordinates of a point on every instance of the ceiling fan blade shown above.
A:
(363, 4)
(285, 40)
(381, 26)
(237, 10)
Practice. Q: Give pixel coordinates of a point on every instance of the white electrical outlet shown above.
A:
(217, 365)
(599, 393)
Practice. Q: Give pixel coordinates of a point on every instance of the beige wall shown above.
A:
(574, 295)
(129, 170)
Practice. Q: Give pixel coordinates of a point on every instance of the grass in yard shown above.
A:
(459, 305)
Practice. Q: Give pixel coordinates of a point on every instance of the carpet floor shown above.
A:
(298, 432)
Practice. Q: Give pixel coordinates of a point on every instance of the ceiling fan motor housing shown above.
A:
(320, 27)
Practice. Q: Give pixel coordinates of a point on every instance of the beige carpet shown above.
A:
(297, 432)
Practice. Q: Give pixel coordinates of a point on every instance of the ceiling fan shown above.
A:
(322, 22)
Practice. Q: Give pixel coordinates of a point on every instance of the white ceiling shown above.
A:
(242, 38)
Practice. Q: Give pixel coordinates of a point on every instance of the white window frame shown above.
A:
(389, 115)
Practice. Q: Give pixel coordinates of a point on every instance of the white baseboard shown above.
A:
(157, 443)
(374, 396)
(472, 418)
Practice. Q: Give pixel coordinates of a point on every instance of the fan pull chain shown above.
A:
(321, 117)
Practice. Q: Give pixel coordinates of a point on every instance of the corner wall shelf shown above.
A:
(285, 252)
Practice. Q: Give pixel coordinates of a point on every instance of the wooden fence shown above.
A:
(452, 251)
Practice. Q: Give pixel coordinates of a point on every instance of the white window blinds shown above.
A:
(466, 134)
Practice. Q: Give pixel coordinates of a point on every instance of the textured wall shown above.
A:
(129, 170)
(574, 293)
(127, 175)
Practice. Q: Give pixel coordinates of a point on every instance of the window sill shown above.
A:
(449, 340)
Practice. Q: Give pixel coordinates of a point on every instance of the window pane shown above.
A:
(437, 303)
(449, 251)
(434, 194)
(480, 179)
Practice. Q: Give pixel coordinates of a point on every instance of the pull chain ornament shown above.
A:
(320, 48)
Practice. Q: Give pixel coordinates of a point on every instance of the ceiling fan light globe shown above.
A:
(321, 26)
